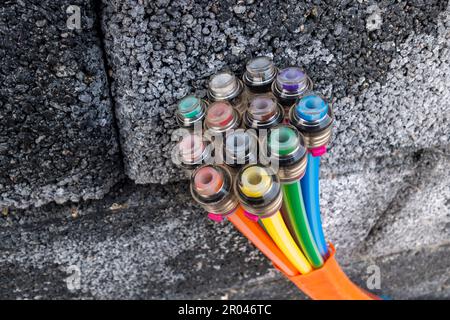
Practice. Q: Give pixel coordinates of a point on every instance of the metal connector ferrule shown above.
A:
(265, 197)
(224, 86)
(317, 126)
(190, 110)
(290, 84)
(221, 117)
(259, 74)
(193, 151)
(212, 187)
(264, 112)
(240, 148)
(287, 147)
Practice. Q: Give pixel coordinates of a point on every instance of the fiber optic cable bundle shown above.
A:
(257, 165)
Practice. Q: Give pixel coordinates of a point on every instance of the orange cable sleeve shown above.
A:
(329, 283)
(256, 234)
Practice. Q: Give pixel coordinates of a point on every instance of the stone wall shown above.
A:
(85, 128)
(57, 139)
(384, 65)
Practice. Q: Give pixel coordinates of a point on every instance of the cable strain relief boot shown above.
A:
(251, 216)
(318, 151)
(215, 217)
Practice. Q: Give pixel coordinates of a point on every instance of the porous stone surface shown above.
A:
(154, 242)
(408, 112)
(57, 136)
(385, 193)
(384, 64)
(420, 214)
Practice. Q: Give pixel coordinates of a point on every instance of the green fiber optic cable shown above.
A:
(284, 142)
(296, 213)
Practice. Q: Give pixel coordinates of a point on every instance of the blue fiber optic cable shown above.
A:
(310, 191)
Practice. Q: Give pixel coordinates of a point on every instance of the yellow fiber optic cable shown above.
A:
(279, 233)
(259, 192)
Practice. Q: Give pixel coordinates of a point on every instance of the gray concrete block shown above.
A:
(409, 111)
(384, 185)
(420, 215)
(384, 64)
(57, 138)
